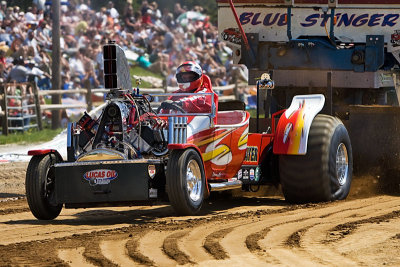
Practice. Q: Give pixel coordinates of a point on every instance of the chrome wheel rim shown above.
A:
(342, 164)
(193, 180)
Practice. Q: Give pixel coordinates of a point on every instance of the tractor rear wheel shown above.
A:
(39, 185)
(185, 181)
(325, 172)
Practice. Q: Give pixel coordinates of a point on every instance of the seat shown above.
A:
(231, 117)
(231, 105)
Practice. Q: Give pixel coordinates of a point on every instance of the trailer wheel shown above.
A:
(185, 181)
(325, 172)
(39, 185)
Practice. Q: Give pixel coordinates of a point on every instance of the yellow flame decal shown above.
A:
(297, 134)
(243, 140)
(220, 151)
(212, 138)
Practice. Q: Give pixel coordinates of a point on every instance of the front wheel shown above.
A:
(39, 185)
(325, 172)
(185, 181)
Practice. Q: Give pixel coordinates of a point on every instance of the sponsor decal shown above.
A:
(153, 193)
(245, 175)
(152, 170)
(240, 174)
(395, 38)
(219, 174)
(251, 154)
(232, 35)
(100, 176)
(252, 174)
(258, 174)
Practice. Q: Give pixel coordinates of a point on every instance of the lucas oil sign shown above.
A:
(100, 176)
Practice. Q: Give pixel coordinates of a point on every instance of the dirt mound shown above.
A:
(12, 179)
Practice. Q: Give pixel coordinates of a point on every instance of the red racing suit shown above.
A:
(198, 103)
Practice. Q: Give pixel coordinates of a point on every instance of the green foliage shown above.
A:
(210, 6)
(23, 4)
(120, 5)
(30, 136)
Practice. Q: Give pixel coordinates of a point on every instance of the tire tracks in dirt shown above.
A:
(378, 236)
(74, 257)
(218, 245)
(254, 232)
(171, 249)
(133, 250)
(116, 252)
(314, 239)
(283, 235)
(227, 242)
(212, 244)
(151, 246)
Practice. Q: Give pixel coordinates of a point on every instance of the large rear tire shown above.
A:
(325, 172)
(39, 185)
(185, 181)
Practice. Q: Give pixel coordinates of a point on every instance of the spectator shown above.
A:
(30, 16)
(39, 4)
(130, 20)
(90, 78)
(3, 73)
(144, 7)
(178, 10)
(41, 78)
(146, 17)
(76, 65)
(113, 12)
(3, 8)
(2, 57)
(156, 12)
(19, 73)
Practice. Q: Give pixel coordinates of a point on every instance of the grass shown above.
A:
(139, 71)
(253, 113)
(30, 136)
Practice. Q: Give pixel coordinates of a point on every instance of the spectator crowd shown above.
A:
(157, 40)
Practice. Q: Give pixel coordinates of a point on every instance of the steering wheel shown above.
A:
(170, 105)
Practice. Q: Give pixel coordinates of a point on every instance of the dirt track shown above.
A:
(243, 231)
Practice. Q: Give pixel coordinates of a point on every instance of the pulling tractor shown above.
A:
(346, 50)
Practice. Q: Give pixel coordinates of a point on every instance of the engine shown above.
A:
(127, 128)
(127, 125)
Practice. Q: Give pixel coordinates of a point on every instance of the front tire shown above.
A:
(39, 185)
(185, 181)
(325, 172)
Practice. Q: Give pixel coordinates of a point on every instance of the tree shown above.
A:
(210, 6)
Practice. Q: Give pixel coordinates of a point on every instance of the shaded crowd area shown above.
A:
(154, 39)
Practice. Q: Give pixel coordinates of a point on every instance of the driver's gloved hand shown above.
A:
(168, 104)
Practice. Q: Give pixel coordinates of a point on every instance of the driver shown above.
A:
(191, 79)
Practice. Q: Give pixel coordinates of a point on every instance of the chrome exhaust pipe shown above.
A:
(225, 186)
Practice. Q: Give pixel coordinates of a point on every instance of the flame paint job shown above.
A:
(222, 147)
(291, 136)
(292, 132)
